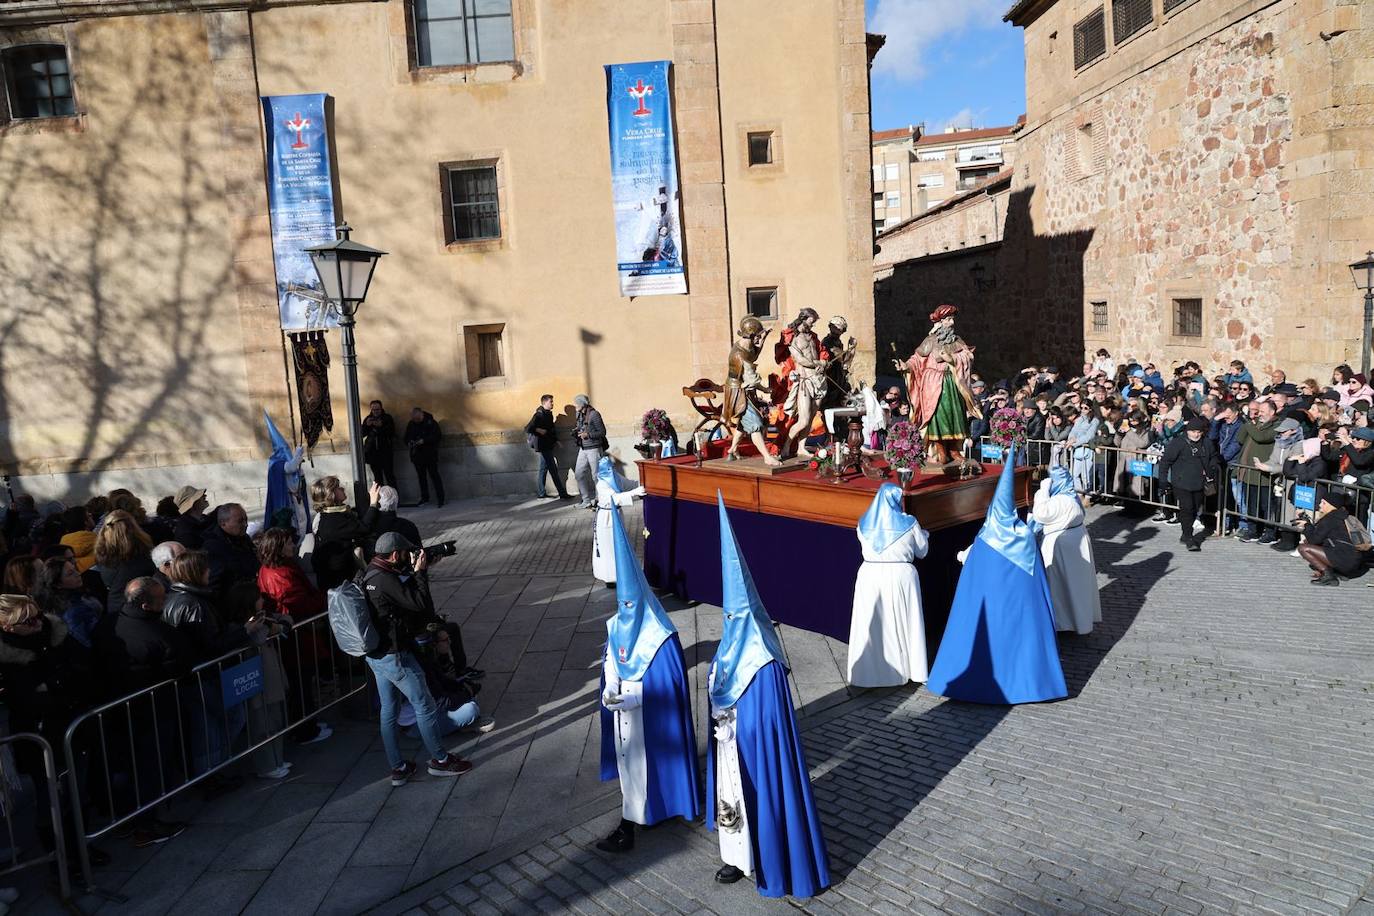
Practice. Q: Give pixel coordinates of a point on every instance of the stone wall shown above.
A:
(1223, 156)
(975, 221)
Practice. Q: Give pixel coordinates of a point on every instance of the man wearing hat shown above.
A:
(938, 384)
(1190, 465)
(396, 584)
(1329, 543)
(189, 528)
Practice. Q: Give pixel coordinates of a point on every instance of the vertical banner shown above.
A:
(644, 187)
(300, 197)
(310, 352)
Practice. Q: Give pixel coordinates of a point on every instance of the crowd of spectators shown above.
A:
(1282, 454)
(100, 601)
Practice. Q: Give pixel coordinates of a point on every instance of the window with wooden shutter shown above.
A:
(1089, 39)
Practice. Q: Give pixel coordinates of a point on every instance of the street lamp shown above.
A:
(1363, 272)
(345, 268)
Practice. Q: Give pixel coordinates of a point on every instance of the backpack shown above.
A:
(1358, 534)
(350, 617)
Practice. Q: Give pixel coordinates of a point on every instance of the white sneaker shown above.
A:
(324, 732)
(1295, 554)
(280, 772)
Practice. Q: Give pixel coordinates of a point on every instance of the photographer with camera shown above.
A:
(396, 584)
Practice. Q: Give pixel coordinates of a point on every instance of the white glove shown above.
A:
(626, 702)
(963, 554)
(725, 731)
(1348, 478)
(609, 697)
(638, 492)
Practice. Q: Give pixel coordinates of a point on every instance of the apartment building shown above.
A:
(914, 171)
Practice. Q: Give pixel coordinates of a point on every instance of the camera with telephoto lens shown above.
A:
(437, 551)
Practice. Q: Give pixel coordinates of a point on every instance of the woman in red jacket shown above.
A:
(288, 591)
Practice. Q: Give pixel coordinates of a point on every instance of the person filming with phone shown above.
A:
(396, 583)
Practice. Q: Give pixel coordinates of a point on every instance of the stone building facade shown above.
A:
(138, 319)
(1193, 181)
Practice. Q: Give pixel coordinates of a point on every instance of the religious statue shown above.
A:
(937, 383)
(743, 408)
(841, 354)
(807, 380)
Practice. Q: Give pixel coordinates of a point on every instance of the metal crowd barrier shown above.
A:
(1035, 452)
(1270, 500)
(144, 748)
(9, 782)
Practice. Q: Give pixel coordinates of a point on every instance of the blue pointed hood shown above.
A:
(669, 448)
(640, 624)
(748, 640)
(1002, 530)
(885, 522)
(1061, 481)
(280, 447)
(605, 473)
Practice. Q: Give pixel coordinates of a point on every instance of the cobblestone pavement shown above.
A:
(1215, 756)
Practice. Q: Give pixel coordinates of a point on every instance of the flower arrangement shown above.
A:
(1008, 428)
(823, 463)
(904, 448)
(655, 425)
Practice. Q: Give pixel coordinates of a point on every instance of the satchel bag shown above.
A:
(1358, 534)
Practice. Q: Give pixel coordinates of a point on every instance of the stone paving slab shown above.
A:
(1215, 756)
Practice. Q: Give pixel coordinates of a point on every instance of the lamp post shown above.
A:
(345, 268)
(1363, 272)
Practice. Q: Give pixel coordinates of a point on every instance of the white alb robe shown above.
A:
(631, 761)
(603, 545)
(1068, 555)
(735, 846)
(887, 635)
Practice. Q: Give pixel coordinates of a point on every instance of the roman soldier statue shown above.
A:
(744, 410)
(937, 382)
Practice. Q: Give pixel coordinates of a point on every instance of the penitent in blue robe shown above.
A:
(749, 675)
(642, 645)
(670, 752)
(999, 643)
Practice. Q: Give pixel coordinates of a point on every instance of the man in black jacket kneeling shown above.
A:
(396, 583)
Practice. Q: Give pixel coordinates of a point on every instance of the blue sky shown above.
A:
(946, 61)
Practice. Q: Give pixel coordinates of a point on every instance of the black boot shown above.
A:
(728, 874)
(622, 838)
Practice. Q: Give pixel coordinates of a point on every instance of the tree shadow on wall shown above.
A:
(1021, 300)
(120, 330)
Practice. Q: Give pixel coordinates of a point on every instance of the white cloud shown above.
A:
(964, 117)
(913, 26)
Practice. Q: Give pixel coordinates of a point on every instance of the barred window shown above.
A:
(38, 81)
(473, 207)
(1129, 17)
(1187, 317)
(1099, 316)
(1089, 39)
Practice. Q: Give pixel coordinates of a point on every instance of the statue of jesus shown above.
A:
(937, 383)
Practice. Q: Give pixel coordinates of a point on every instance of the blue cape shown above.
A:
(789, 848)
(999, 646)
(748, 640)
(670, 741)
(278, 493)
(640, 624)
(885, 522)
